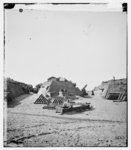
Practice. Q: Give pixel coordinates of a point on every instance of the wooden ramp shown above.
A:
(41, 100)
(117, 96)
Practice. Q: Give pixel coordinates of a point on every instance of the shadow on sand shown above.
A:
(13, 103)
(87, 96)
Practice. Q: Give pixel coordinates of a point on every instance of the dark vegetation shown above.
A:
(14, 89)
(38, 86)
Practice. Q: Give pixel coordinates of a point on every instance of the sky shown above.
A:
(84, 47)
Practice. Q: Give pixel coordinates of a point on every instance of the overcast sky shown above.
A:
(85, 47)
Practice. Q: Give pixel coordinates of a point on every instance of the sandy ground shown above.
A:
(27, 124)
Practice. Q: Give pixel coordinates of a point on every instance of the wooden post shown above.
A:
(119, 96)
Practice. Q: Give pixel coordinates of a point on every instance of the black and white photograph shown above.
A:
(65, 74)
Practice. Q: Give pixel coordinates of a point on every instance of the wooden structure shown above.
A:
(117, 96)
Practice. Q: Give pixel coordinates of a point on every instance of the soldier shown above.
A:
(61, 93)
(92, 92)
(67, 104)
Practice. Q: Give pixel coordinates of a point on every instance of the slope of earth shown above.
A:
(53, 86)
(14, 89)
(112, 86)
(28, 124)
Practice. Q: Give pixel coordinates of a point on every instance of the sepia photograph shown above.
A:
(65, 75)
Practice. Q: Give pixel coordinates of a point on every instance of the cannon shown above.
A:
(84, 90)
(77, 107)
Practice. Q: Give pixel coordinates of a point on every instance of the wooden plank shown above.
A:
(124, 98)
